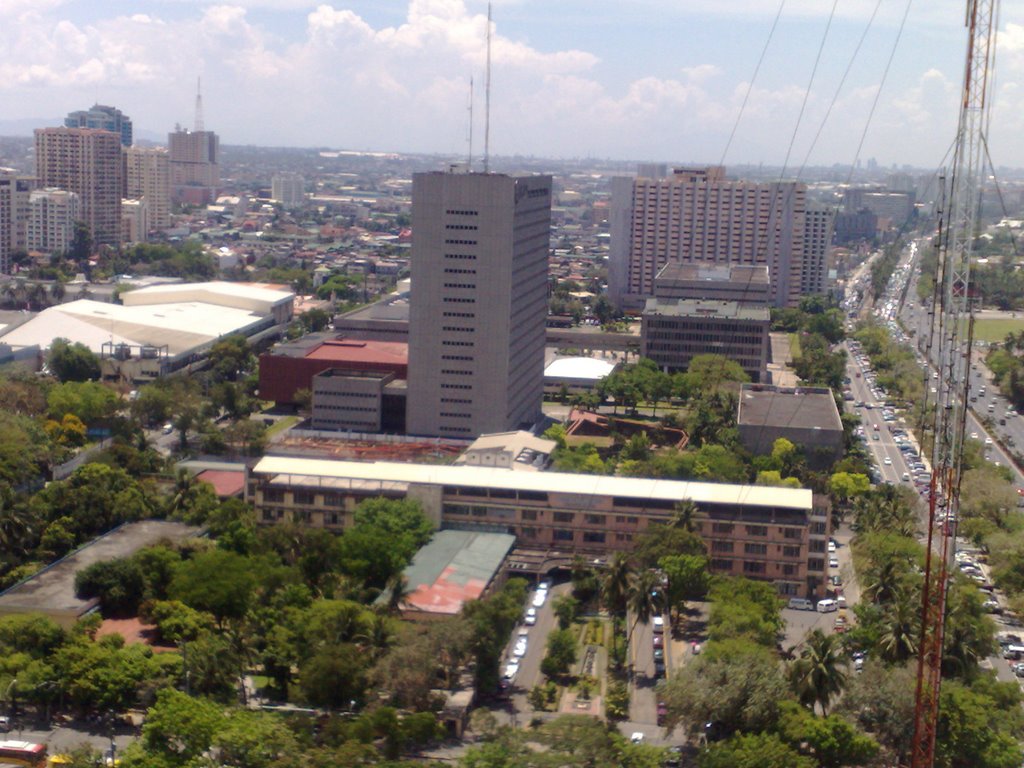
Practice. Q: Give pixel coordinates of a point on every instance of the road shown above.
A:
(643, 707)
(529, 665)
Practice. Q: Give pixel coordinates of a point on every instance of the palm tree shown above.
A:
(885, 581)
(16, 526)
(615, 588)
(682, 516)
(398, 592)
(898, 638)
(819, 675)
(57, 291)
(615, 584)
(644, 599)
(377, 635)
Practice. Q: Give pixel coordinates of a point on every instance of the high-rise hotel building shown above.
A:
(478, 302)
(87, 162)
(697, 215)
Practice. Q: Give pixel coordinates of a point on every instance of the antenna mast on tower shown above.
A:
(487, 99)
(199, 107)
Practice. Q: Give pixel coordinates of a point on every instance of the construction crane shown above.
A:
(950, 342)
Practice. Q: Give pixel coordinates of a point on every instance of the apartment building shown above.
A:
(88, 162)
(52, 217)
(818, 228)
(102, 118)
(288, 189)
(774, 534)
(14, 207)
(148, 177)
(478, 303)
(194, 166)
(697, 215)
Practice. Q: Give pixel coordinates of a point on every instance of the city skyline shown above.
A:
(635, 80)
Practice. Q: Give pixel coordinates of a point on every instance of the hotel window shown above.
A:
(721, 564)
(755, 549)
(757, 530)
(564, 517)
(273, 494)
(593, 537)
(721, 546)
(750, 566)
(594, 519)
(560, 534)
(791, 551)
(721, 527)
(528, 514)
(302, 497)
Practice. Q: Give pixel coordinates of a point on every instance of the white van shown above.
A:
(841, 601)
(827, 605)
(801, 604)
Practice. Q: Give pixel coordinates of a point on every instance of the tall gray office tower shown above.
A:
(478, 303)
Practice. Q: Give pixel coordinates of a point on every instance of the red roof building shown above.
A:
(291, 366)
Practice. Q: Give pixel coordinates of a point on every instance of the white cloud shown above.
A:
(339, 80)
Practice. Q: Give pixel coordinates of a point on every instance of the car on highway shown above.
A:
(887, 461)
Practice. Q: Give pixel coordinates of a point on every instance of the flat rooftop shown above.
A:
(453, 568)
(710, 271)
(52, 590)
(717, 310)
(793, 407)
(584, 368)
(381, 476)
(393, 309)
(358, 351)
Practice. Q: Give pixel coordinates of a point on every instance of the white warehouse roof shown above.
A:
(579, 368)
(181, 326)
(253, 297)
(397, 475)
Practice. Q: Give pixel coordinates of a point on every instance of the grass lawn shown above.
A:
(281, 425)
(994, 331)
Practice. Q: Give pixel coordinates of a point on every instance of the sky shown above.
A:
(631, 79)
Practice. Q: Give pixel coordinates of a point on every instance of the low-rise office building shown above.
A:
(358, 401)
(806, 416)
(674, 331)
(712, 281)
(773, 534)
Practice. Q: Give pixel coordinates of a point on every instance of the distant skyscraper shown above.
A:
(479, 302)
(289, 189)
(195, 165)
(14, 192)
(87, 162)
(102, 118)
(148, 177)
(696, 215)
(52, 217)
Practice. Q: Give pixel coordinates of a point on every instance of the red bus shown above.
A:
(23, 753)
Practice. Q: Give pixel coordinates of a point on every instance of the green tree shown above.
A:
(832, 741)
(218, 582)
(561, 653)
(566, 608)
(334, 676)
(179, 727)
(119, 585)
(755, 750)
(89, 401)
(72, 362)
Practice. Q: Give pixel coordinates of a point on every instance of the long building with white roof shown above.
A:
(775, 534)
(160, 329)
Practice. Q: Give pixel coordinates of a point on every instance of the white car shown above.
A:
(831, 547)
(887, 461)
(833, 562)
(531, 617)
(511, 670)
(637, 737)
(520, 650)
(539, 598)
(659, 624)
